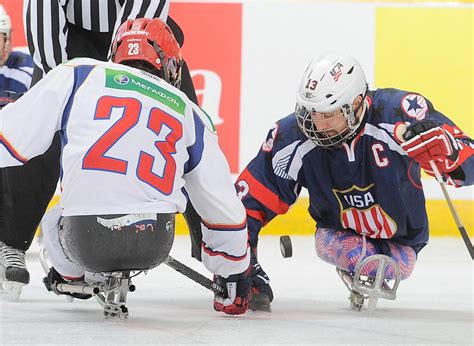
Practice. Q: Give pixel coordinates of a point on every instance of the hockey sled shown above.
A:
(118, 247)
(370, 289)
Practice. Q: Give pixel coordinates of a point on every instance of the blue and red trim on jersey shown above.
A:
(213, 253)
(258, 215)
(225, 228)
(13, 152)
(263, 194)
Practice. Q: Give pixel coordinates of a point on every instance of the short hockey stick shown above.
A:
(459, 224)
(195, 276)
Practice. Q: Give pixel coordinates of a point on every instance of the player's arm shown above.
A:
(225, 250)
(265, 186)
(28, 125)
(46, 32)
(436, 138)
(211, 191)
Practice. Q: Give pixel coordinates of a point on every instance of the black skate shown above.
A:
(13, 272)
(55, 280)
(262, 294)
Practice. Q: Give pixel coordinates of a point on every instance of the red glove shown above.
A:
(238, 293)
(426, 141)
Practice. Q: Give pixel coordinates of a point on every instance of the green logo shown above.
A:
(121, 79)
(126, 81)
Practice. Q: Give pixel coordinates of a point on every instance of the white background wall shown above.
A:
(279, 40)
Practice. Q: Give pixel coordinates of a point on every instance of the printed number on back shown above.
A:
(96, 159)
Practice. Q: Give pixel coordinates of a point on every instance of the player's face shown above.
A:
(330, 124)
(4, 48)
(333, 124)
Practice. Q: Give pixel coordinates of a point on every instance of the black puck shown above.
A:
(285, 246)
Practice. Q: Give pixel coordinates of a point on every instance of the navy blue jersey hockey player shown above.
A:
(16, 68)
(358, 152)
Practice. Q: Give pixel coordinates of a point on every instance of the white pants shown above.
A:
(59, 260)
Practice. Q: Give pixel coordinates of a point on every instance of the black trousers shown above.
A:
(26, 190)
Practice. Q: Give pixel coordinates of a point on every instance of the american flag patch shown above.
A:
(336, 71)
(361, 213)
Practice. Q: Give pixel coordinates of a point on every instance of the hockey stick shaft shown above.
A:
(457, 220)
(195, 276)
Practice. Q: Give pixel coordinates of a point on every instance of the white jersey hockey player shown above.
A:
(132, 143)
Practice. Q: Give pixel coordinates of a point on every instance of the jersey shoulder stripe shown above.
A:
(195, 150)
(205, 118)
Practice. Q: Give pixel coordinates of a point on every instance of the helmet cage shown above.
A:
(325, 137)
(170, 68)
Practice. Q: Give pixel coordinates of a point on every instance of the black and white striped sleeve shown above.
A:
(132, 9)
(47, 22)
(93, 15)
(46, 32)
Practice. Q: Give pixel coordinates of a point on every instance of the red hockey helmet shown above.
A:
(151, 41)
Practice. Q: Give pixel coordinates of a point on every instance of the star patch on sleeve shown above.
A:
(414, 106)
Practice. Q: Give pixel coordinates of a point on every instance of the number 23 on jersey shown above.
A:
(95, 158)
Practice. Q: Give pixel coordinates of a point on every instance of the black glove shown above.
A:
(54, 278)
(260, 279)
(7, 97)
(262, 293)
(238, 293)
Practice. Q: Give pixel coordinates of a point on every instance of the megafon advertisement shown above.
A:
(212, 50)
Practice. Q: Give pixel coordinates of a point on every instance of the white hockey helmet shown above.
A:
(329, 87)
(5, 23)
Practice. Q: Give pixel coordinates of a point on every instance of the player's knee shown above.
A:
(405, 256)
(339, 248)
(324, 240)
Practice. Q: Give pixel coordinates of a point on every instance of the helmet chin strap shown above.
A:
(364, 104)
(358, 119)
(361, 118)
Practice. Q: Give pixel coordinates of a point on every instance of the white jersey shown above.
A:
(130, 144)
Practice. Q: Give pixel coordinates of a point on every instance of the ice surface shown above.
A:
(434, 306)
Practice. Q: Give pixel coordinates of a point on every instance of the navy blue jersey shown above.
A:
(16, 73)
(369, 185)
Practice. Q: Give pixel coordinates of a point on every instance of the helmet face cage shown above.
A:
(170, 67)
(344, 120)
